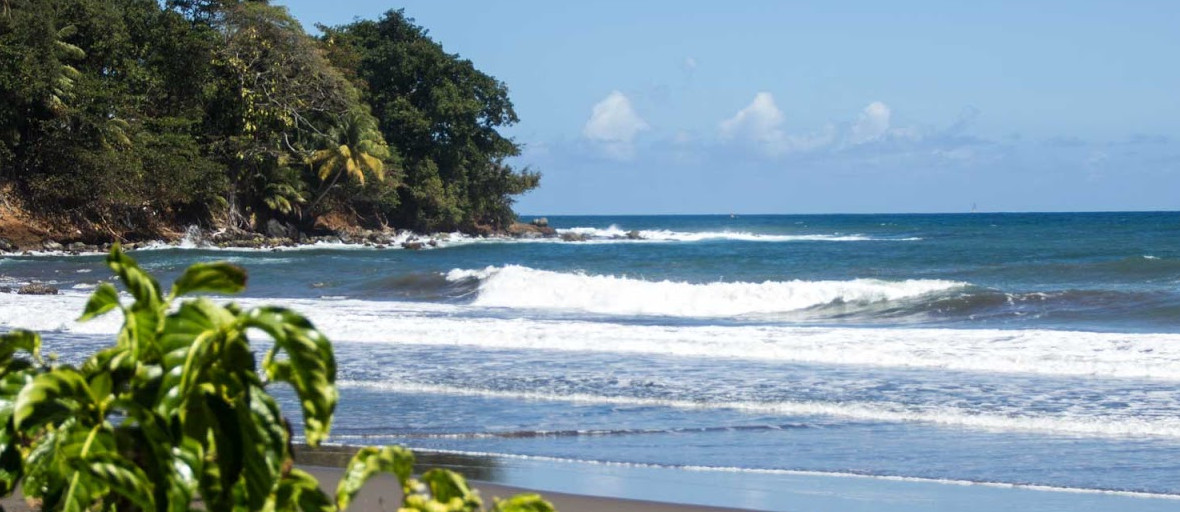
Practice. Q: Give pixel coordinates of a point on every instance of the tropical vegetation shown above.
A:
(129, 117)
(175, 416)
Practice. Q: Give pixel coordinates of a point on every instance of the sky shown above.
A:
(667, 107)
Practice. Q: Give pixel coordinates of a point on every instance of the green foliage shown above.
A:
(134, 116)
(442, 116)
(176, 411)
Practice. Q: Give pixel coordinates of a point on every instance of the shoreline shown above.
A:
(197, 238)
(606, 486)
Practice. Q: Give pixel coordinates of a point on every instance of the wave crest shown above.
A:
(523, 287)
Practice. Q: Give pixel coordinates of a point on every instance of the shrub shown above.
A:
(176, 412)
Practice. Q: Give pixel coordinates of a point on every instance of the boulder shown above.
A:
(520, 230)
(37, 289)
(6, 245)
(50, 245)
(573, 237)
(540, 222)
(276, 229)
(634, 235)
(413, 246)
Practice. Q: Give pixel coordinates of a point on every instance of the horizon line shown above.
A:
(981, 212)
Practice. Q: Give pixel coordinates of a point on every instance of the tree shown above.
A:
(353, 147)
(175, 410)
(276, 96)
(441, 115)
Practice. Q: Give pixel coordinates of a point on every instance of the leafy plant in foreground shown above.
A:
(176, 413)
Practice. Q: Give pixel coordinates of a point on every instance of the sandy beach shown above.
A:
(383, 494)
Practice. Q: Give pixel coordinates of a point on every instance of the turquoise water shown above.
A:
(1038, 349)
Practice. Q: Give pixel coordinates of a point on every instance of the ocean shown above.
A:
(1040, 350)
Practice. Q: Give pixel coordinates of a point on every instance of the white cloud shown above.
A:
(872, 125)
(613, 124)
(812, 141)
(760, 123)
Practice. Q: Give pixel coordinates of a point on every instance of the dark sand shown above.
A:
(383, 493)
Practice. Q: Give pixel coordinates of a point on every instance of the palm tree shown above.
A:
(353, 147)
(63, 83)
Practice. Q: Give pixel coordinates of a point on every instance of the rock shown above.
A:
(481, 230)
(520, 230)
(50, 245)
(7, 246)
(276, 229)
(77, 247)
(432, 243)
(130, 246)
(413, 246)
(5, 289)
(540, 222)
(37, 289)
(573, 237)
(634, 235)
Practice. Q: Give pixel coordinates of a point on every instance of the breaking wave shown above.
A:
(522, 287)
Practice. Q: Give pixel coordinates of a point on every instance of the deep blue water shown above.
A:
(1012, 348)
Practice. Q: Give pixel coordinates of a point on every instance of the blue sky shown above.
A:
(819, 107)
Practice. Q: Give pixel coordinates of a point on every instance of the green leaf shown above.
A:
(370, 461)
(524, 503)
(446, 485)
(104, 299)
(11, 342)
(310, 366)
(298, 490)
(121, 476)
(141, 285)
(219, 277)
(264, 444)
(48, 397)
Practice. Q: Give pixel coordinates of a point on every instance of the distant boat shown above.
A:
(974, 209)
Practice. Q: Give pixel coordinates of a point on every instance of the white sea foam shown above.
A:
(1034, 351)
(1060, 423)
(614, 233)
(522, 287)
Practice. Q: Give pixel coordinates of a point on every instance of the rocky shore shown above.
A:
(277, 236)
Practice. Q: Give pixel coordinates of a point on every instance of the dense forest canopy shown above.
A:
(130, 116)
